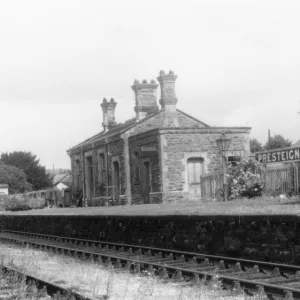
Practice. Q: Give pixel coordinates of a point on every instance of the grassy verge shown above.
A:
(265, 205)
(96, 281)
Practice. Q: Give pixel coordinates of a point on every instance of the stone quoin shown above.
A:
(157, 156)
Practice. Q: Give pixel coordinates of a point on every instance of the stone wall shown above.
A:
(157, 121)
(266, 238)
(179, 145)
(146, 146)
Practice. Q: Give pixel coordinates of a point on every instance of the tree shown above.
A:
(255, 145)
(15, 178)
(28, 162)
(277, 141)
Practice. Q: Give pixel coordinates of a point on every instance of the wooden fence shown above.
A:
(280, 179)
(211, 185)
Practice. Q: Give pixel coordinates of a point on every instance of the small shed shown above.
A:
(62, 183)
(3, 189)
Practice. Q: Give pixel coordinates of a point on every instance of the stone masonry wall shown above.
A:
(157, 121)
(188, 122)
(147, 147)
(266, 238)
(180, 145)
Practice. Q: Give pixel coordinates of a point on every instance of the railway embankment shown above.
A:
(252, 233)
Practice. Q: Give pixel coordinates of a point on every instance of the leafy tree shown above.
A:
(255, 145)
(277, 141)
(15, 178)
(28, 162)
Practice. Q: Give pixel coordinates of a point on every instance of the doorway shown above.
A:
(147, 183)
(195, 170)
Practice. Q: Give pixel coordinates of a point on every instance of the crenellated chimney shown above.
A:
(108, 109)
(145, 98)
(168, 98)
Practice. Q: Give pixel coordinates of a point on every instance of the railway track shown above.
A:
(13, 282)
(275, 281)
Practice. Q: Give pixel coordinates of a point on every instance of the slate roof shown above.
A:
(65, 178)
(122, 127)
(117, 129)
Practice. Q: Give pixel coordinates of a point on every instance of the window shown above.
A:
(137, 166)
(102, 169)
(233, 160)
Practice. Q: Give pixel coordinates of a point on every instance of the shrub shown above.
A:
(19, 203)
(243, 180)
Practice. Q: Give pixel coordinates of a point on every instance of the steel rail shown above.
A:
(163, 265)
(283, 268)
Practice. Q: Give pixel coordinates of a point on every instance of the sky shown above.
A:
(237, 62)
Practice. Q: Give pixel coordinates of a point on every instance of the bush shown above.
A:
(243, 181)
(19, 203)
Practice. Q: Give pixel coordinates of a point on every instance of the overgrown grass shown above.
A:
(99, 282)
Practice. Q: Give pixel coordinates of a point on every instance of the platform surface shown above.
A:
(259, 206)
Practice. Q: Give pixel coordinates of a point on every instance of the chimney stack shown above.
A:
(108, 109)
(168, 98)
(145, 98)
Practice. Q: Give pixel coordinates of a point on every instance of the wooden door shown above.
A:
(195, 169)
(146, 183)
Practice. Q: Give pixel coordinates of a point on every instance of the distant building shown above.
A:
(62, 181)
(3, 189)
(158, 156)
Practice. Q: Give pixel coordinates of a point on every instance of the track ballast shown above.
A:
(276, 281)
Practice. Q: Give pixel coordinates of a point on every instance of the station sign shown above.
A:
(278, 155)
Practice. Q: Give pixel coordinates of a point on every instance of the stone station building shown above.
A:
(158, 156)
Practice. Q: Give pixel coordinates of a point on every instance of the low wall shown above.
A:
(267, 238)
